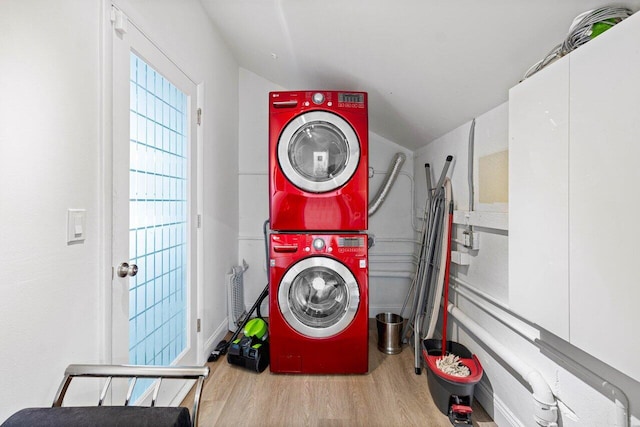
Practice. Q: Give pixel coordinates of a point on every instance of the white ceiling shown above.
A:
(428, 65)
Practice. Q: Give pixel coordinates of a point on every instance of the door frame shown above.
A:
(106, 205)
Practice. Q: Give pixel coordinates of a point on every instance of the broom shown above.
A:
(449, 363)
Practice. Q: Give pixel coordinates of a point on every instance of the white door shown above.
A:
(154, 199)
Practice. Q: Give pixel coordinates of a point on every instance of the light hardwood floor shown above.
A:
(391, 394)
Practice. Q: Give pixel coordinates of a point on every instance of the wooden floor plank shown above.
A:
(390, 394)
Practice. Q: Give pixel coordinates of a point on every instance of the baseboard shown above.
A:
(217, 336)
(501, 414)
(377, 309)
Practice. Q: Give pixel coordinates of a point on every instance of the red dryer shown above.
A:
(318, 303)
(318, 161)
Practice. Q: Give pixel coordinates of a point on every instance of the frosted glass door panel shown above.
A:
(158, 217)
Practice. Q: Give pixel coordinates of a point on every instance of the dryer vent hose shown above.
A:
(392, 174)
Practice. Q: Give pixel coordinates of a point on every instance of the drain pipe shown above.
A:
(392, 174)
(546, 408)
(618, 396)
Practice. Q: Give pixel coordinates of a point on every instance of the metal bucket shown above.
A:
(389, 332)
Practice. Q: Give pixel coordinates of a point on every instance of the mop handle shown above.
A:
(445, 311)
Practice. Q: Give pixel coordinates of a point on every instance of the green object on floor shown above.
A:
(255, 328)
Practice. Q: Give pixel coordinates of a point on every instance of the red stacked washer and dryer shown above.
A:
(318, 202)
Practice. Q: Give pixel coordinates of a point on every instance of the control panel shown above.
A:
(355, 244)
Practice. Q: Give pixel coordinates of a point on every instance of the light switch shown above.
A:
(76, 223)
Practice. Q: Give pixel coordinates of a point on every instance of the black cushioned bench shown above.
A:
(116, 416)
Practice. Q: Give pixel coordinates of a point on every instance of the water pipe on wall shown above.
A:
(390, 274)
(616, 394)
(472, 133)
(392, 174)
(468, 231)
(395, 257)
(545, 405)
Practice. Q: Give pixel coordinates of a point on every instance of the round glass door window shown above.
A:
(318, 297)
(318, 151)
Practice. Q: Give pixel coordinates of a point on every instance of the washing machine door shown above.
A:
(318, 297)
(318, 151)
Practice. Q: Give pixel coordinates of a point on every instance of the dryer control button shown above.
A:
(318, 244)
(318, 98)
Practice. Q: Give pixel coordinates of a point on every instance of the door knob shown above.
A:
(125, 270)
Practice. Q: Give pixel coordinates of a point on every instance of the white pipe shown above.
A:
(472, 133)
(388, 254)
(514, 321)
(414, 226)
(546, 408)
(397, 240)
(484, 295)
(617, 395)
(390, 274)
(622, 415)
(529, 334)
(411, 191)
(387, 262)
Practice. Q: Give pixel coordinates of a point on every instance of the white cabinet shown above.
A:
(538, 198)
(574, 193)
(604, 197)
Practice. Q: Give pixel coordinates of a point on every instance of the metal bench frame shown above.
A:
(134, 372)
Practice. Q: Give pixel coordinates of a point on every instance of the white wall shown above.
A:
(52, 304)
(49, 162)
(53, 295)
(253, 184)
(391, 221)
(503, 393)
(392, 229)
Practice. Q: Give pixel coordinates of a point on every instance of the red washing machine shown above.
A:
(318, 304)
(318, 161)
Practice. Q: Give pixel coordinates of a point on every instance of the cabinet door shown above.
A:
(604, 196)
(538, 198)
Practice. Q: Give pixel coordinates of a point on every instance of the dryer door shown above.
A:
(318, 297)
(318, 151)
